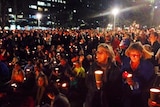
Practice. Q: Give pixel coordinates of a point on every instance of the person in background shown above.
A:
(137, 76)
(78, 70)
(4, 54)
(14, 60)
(38, 70)
(4, 73)
(109, 94)
(29, 67)
(18, 74)
(148, 48)
(142, 37)
(155, 45)
(4, 78)
(157, 56)
(30, 75)
(57, 99)
(39, 91)
(77, 90)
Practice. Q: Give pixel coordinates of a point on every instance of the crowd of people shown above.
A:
(56, 67)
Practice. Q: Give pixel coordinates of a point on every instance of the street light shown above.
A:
(115, 11)
(39, 16)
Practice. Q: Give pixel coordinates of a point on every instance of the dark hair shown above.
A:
(52, 89)
(155, 34)
(18, 63)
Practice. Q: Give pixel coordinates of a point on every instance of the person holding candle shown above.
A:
(154, 100)
(103, 80)
(138, 73)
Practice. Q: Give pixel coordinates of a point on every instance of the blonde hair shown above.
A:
(146, 54)
(109, 50)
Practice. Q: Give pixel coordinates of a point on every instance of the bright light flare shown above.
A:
(64, 85)
(39, 16)
(115, 11)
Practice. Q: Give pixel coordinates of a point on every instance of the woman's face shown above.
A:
(40, 81)
(102, 55)
(135, 55)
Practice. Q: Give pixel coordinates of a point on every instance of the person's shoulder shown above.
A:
(61, 101)
(114, 67)
(94, 66)
(126, 61)
(147, 64)
(156, 43)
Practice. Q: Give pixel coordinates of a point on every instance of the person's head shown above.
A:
(136, 52)
(147, 47)
(17, 65)
(63, 61)
(76, 64)
(52, 91)
(30, 61)
(104, 54)
(89, 57)
(37, 67)
(42, 80)
(153, 37)
(15, 60)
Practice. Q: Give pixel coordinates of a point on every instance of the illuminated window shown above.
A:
(40, 9)
(49, 4)
(59, 1)
(9, 9)
(45, 9)
(33, 6)
(19, 16)
(64, 2)
(41, 3)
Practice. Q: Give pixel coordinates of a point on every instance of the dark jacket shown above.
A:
(110, 93)
(61, 101)
(155, 48)
(143, 78)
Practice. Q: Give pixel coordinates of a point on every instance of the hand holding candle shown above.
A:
(129, 79)
(155, 96)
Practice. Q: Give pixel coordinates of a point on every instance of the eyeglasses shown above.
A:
(134, 55)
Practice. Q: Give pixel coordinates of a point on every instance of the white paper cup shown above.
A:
(98, 78)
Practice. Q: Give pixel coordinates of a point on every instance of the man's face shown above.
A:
(152, 38)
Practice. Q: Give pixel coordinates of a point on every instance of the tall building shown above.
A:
(24, 12)
(65, 13)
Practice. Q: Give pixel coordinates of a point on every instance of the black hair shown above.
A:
(52, 89)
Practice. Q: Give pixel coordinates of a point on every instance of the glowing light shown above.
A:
(115, 11)
(64, 85)
(154, 90)
(39, 16)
